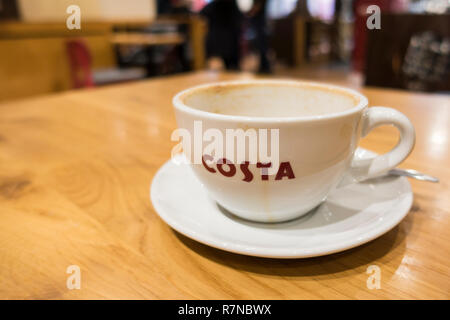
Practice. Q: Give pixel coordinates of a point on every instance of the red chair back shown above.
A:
(80, 64)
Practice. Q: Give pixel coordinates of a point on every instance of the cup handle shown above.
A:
(369, 168)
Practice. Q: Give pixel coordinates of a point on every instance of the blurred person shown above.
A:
(258, 23)
(224, 31)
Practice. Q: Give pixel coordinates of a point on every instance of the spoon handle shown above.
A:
(413, 174)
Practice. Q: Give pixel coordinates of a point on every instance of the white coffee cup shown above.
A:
(319, 127)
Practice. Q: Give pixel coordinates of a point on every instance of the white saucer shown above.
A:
(351, 216)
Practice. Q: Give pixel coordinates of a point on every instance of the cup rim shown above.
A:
(181, 106)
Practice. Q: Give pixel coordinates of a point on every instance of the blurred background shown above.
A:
(322, 40)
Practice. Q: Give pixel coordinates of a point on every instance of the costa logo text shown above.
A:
(228, 169)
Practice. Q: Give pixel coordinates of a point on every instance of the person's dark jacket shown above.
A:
(224, 30)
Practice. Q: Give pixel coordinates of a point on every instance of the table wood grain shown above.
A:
(75, 172)
(146, 39)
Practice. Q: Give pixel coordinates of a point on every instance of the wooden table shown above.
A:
(75, 173)
(146, 39)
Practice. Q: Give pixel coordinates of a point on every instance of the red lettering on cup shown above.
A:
(228, 169)
(285, 170)
(231, 172)
(210, 158)
(264, 166)
(248, 175)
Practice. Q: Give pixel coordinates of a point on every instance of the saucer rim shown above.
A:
(283, 253)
